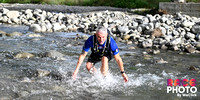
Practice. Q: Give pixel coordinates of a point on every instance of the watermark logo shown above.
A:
(183, 88)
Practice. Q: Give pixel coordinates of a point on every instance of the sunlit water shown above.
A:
(147, 79)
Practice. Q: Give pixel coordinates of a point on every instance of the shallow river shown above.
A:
(147, 79)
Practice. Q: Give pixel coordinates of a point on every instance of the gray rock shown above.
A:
(35, 28)
(123, 29)
(147, 43)
(2, 33)
(163, 19)
(175, 33)
(182, 34)
(49, 27)
(197, 37)
(190, 49)
(135, 24)
(160, 61)
(14, 34)
(157, 24)
(175, 48)
(168, 38)
(163, 30)
(24, 55)
(164, 47)
(197, 45)
(156, 51)
(145, 20)
(176, 41)
(54, 55)
(42, 73)
(169, 21)
(24, 94)
(196, 29)
(190, 35)
(151, 18)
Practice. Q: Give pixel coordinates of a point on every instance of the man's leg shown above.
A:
(104, 67)
(90, 67)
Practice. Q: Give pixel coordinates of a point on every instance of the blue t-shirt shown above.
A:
(89, 44)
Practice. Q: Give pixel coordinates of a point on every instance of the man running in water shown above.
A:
(103, 48)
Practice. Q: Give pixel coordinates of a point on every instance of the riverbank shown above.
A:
(173, 32)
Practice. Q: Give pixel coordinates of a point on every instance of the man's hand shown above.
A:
(125, 77)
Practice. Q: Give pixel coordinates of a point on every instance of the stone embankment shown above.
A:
(175, 32)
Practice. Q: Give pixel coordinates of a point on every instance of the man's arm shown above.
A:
(80, 60)
(121, 67)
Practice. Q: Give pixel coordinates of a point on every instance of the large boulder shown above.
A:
(54, 55)
(24, 55)
(13, 14)
(35, 28)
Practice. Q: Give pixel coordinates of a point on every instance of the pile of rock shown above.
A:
(175, 32)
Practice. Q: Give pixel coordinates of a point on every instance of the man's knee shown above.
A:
(104, 59)
(89, 65)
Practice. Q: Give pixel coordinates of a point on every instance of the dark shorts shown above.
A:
(94, 58)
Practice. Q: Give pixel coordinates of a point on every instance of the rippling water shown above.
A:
(147, 79)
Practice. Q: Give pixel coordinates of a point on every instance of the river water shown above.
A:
(147, 79)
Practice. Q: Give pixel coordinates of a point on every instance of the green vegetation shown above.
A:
(113, 3)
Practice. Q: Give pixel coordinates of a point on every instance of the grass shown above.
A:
(113, 3)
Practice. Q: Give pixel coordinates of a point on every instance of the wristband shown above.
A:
(122, 72)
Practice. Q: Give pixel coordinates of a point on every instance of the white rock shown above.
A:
(34, 35)
(176, 41)
(123, 29)
(15, 20)
(190, 35)
(5, 19)
(168, 37)
(157, 25)
(135, 24)
(43, 28)
(49, 27)
(35, 28)
(56, 27)
(181, 1)
(29, 13)
(187, 23)
(5, 11)
(145, 20)
(13, 14)
(105, 25)
(151, 18)
(163, 30)
(163, 19)
(147, 43)
(174, 32)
